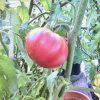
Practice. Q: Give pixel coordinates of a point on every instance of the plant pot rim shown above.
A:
(78, 93)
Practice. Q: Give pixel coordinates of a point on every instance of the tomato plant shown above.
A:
(37, 29)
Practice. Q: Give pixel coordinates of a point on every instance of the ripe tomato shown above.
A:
(46, 48)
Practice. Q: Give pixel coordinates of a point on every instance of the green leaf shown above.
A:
(92, 18)
(23, 79)
(46, 4)
(8, 79)
(40, 98)
(14, 20)
(50, 83)
(77, 56)
(2, 4)
(92, 72)
(23, 13)
(56, 16)
(14, 98)
(97, 80)
(96, 28)
(62, 30)
(3, 86)
(51, 78)
(97, 37)
(24, 53)
(2, 51)
(36, 89)
(13, 17)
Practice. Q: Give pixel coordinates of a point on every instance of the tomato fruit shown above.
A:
(46, 48)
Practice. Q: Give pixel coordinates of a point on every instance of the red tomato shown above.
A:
(46, 48)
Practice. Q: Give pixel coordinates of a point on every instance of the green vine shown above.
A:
(72, 38)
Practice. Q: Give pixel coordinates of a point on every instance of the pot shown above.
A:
(75, 95)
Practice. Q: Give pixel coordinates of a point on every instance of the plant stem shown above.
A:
(4, 46)
(39, 9)
(44, 90)
(30, 7)
(57, 91)
(73, 36)
(31, 87)
(52, 1)
(38, 17)
(64, 3)
(44, 23)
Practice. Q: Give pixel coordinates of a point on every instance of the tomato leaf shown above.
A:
(97, 37)
(23, 13)
(62, 30)
(23, 79)
(92, 17)
(2, 4)
(77, 56)
(50, 82)
(24, 53)
(8, 79)
(56, 16)
(96, 29)
(92, 72)
(36, 89)
(46, 4)
(97, 80)
(40, 98)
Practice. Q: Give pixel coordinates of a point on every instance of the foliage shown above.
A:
(2, 5)
(20, 77)
(8, 79)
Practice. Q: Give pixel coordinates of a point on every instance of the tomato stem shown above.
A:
(4, 46)
(72, 38)
(38, 16)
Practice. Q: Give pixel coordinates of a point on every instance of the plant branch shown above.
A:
(4, 46)
(44, 23)
(44, 89)
(64, 3)
(52, 1)
(30, 88)
(38, 17)
(57, 91)
(45, 85)
(73, 36)
(38, 8)
(30, 7)
(97, 6)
